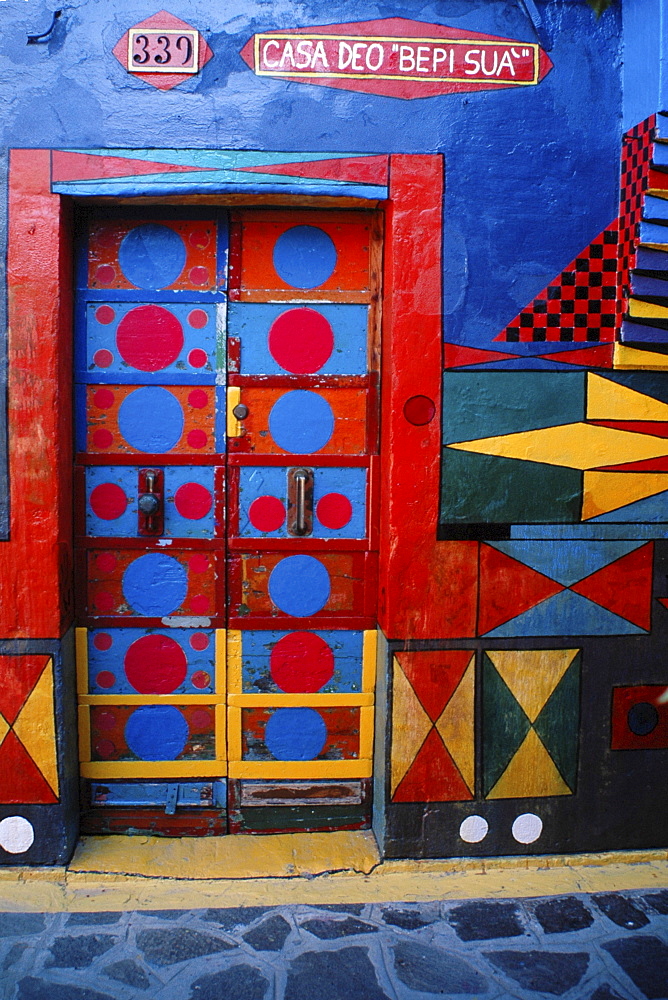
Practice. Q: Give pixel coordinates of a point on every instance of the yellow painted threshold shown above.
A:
(119, 873)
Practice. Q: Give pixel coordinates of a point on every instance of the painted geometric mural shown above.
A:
(432, 725)
(640, 717)
(530, 722)
(28, 763)
(583, 587)
(562, 447)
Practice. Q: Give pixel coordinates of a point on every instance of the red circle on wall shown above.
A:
(197, 438)
(301, 662)
(103, 358)
(192, 500)
(301, 340)
(419, 410)
(108, 501)
(105, 315)
(198, 399)
(334, 510)
(198, 318)
(155, 664)
(266, 513)
(199, 641)
(103, 640)
(149, 338)
(103, 399)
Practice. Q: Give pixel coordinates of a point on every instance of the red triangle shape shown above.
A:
(360, 169)
(623, 587)
(596, 357)
(21, 781)
(646, 465)
(457, 355)
(19, 676)
(434, 675)
(508, 588)
(87, 166)
(433, 776)
(658, 428)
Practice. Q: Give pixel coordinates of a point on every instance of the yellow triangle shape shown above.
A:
(456, 726)
(532, 674)
(633, 357)
(410, 725)
(36, 727)
(575, 446)
(608, 400)
(4, 728)
(605, 491)
(531, 772)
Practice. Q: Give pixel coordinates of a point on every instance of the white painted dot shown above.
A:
(527, 828)
(16, 834)
(473, 829)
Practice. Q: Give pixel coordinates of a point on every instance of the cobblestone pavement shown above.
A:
(610, 946)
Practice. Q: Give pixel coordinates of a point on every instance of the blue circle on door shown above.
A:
(304, 256)
(152, 256)
(299, 585)
(155, 584)
(295, 734)
(151, 419)
(156, 732)
(301, 422)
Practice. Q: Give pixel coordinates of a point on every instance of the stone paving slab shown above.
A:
(605, 946)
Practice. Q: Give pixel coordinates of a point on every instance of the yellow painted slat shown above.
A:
(633, 358)
(366, 732)
(369, 654)
(152, 699)
(221, 661)
(81, 648)
(299, 700)
(84, 733)
(650, 310)
(233, 399)
(298, 770)
(234, 662)
(234, 733)
(654, 246)
(145, 769)
(221, 733)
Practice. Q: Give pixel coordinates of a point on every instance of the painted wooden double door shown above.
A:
(227, 436)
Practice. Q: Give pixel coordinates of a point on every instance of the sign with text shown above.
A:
(396, 57)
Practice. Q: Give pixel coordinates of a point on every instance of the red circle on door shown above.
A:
(266, 513)
(149, 338)
(334, 510)
(301, 340)
(155, 664)
(301, 662)
(108, 501)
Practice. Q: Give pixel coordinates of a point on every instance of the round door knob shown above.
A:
(148, 503)
(240, 411)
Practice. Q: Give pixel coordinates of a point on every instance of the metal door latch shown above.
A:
(151, 503)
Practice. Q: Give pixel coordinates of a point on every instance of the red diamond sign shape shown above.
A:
(163, 50)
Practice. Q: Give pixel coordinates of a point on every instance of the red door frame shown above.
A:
(426, 587)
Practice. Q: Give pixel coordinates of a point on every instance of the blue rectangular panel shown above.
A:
(151, 661)
(112, 494)
(275, 662)
(300, 340)
(338, 493)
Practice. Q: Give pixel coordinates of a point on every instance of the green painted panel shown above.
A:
(558, 723)
(505, 724)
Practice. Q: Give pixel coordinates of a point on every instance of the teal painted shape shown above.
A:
(651, 509)
(218, 159)
(486, 489)
(565, 614)
(558, 723)
(491, 403)
(569, 532)
(568, 562)
(504, 725)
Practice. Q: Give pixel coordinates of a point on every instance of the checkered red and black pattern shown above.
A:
(636, 158)
(586, 301)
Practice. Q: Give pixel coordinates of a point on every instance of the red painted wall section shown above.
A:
(35, 564)
(428, 589)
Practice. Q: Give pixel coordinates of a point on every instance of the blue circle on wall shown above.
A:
(151, 419)
(299, 585)
(155, 584)
(152, 256)
(156, 732)
(304, 256)
(301, 422)
(642, 718)
(295, 734)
